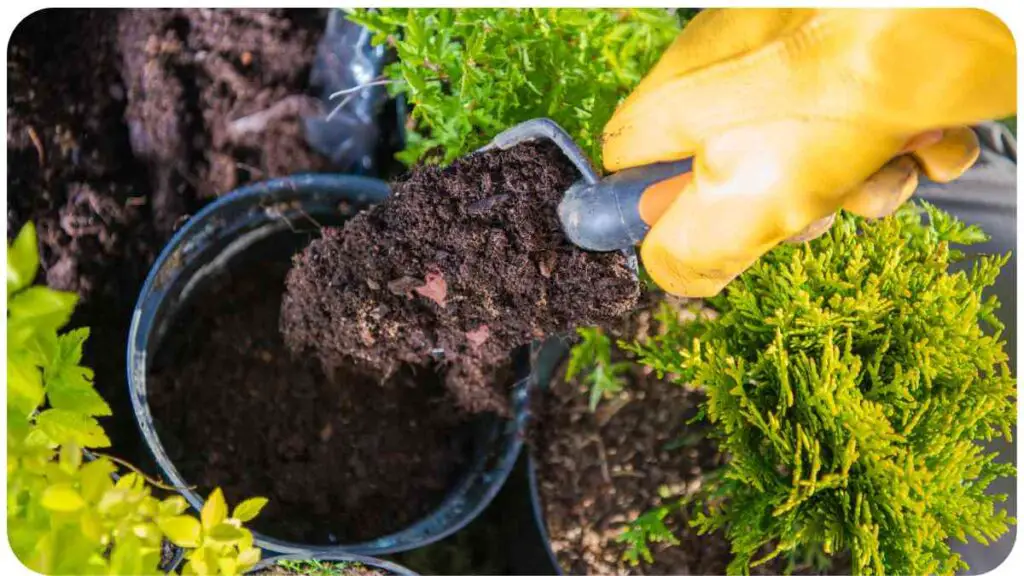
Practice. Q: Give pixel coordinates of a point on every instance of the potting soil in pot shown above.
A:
(469, 260)
(341, 456)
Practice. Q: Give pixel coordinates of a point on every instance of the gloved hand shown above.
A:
(790, 115)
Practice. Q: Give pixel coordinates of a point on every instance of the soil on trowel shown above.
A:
(342, 457)
(119, 126)
(469, 260)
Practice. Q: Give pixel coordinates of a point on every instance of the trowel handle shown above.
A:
(617, 211)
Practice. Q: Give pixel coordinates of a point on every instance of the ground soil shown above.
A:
(343, 458)
(120, 126)
(598, 471)
(469, 259)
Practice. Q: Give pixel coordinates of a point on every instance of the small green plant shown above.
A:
(71, 510)
(850, 381)
(471, 73)
(649, 527)
(318, 567)
(592, 358)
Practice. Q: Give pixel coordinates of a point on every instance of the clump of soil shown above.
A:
(598, 471)
(342, 457)
(119, 127)
(468, 259)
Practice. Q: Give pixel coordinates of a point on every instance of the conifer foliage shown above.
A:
(850, 381)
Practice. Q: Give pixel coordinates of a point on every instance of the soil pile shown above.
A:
(119, 127)
(469, 259)
(342, 458)
(214, 98)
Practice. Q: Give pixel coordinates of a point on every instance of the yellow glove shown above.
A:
(792, 114)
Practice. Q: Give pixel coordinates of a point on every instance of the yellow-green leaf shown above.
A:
(91, 525)
(63, 426)
(173, 505)
(96, 480)
(224, 533)
(22, 259)
(248, 509)
(248, 558)
(126, 557)
(147, 532)
(72, 389)
(111, 500)
(198, 563)
(183, 531)
(228, 565)
(70, 457)
(130, 481)
(45, 308)
(24, 384)
(246, 541)
(62, 498)
(215, 510)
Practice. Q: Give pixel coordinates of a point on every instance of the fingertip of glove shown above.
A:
(885, 190)
(950, 157)
(677, 278)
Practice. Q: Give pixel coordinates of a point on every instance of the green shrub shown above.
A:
(70, 511)
(850, 381)
(471, 73)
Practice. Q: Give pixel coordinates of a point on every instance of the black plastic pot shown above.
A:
(274, 219)
(382, 565)
(526, 530)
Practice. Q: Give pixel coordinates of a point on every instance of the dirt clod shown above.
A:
(475, 244)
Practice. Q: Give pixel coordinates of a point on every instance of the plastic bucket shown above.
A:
(266, 214)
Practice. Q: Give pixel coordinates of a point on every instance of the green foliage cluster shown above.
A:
(591, 359)
(318, 567)
(850, 381)
(471, 73)
(70, 511)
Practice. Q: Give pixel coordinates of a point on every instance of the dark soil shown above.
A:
(119, 127)
(342, 459)
(214, 98)
(469, 259)
(598, 471)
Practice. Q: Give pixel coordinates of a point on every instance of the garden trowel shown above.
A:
(604, 214)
